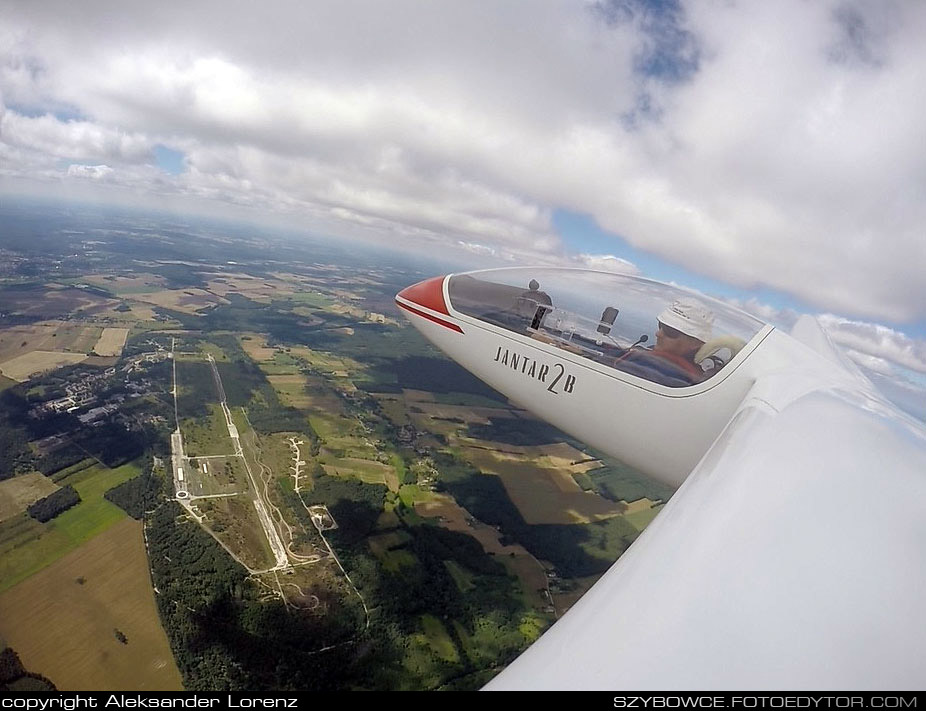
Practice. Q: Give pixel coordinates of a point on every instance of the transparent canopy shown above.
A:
(658, 332)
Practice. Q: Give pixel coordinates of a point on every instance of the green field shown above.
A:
(206, 436)
(438, 638)
(462, 577)
(640, 519)
(310, 298)
(27, 546)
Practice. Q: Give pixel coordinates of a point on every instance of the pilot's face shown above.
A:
(671, 340)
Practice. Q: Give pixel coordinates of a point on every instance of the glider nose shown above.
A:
(428, 294)
(424, 305)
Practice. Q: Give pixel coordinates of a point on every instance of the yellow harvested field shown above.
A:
(643, 504)
(111, 342)
(62, 620)
(18, 340)
(189, 301)
(18, 493)
(256, 347)
(544, 495)
(565, 456)
(141, 312)
(70, 336)
(124, 284)
(25, 366)
(261, 290)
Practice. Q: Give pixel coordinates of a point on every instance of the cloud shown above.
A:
(607, 263)
(49, 135)
(871, 340)
(764, 145)
(94, 172)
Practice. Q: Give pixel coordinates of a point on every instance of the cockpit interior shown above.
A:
(661, 333)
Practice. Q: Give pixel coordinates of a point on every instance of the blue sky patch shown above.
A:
(169, 160)
(582, 235)
(670, 52)
(62, 113)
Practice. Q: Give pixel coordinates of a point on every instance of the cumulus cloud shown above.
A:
(607, 263)
(878, 341)
(763, 144)
(94, 172)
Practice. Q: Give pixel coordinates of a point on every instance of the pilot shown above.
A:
(682, 328)
(534, 294)
(528, 302)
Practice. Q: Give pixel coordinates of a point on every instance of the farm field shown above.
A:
(48, 301)
(111, 342)
(516, 559)
(62, 620)
(125, 285)
(18, 493)
(257, 289)
(23, 367)
(641, 517)
(544, 495)
(27, 546)
(70, 336)
(189, 301)
(255, 345)
(291, 389)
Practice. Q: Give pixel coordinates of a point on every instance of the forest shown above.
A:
(45, 509)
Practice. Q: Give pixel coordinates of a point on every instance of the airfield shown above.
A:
(299, 448)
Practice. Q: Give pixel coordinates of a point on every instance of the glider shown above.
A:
(792, 555)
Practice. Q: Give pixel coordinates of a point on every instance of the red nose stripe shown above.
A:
(428, 293)
(429, 317)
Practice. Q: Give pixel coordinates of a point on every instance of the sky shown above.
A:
(773, 154)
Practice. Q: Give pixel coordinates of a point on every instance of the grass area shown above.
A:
(395, 560)
(27, 546)
(439, 639)
(235, 522)
(412, 493)
(61, 474)
(311, 298)
(462, 577)
(619, 482)
(640, 519)
(213, 350)
(206, 477)
(204, 436)
(18, 493)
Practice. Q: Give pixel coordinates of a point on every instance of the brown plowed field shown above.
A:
(62, 620)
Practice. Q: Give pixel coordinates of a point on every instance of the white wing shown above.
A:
(793, 557)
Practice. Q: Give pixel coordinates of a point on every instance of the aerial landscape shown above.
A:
(233, 456)
(293, 464)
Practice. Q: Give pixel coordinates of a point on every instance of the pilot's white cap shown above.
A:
(690, 317)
